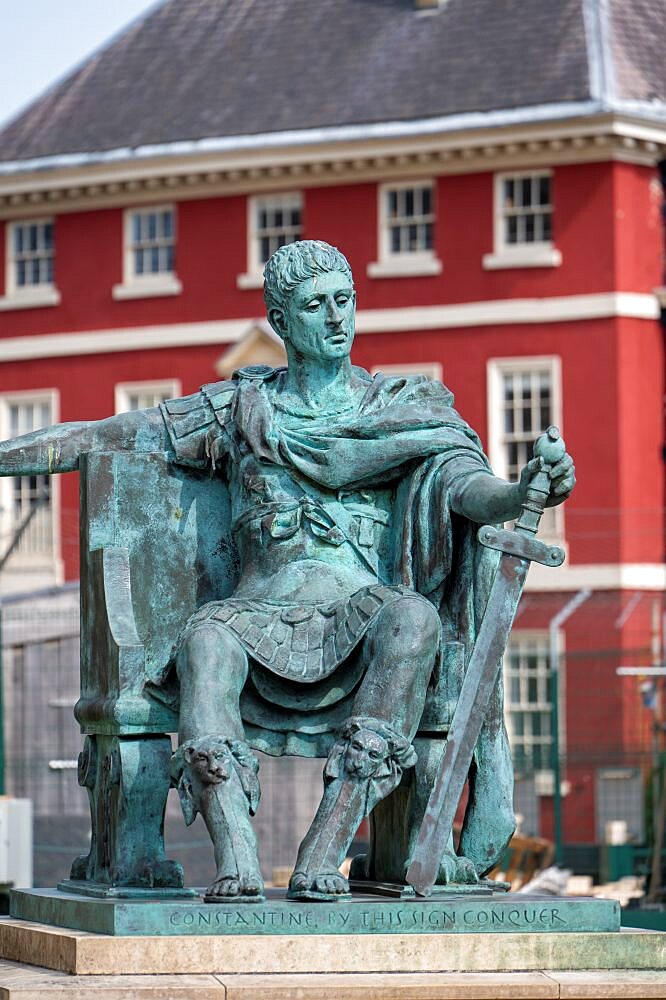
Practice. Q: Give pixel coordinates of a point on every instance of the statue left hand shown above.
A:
(562, 478)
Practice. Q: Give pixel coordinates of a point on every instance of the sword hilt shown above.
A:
(550, 449)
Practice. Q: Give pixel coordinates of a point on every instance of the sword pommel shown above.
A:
(550, 446)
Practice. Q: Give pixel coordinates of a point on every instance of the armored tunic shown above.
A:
(352, 499)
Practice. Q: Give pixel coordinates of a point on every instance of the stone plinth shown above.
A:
(84, 953)
(446, 913)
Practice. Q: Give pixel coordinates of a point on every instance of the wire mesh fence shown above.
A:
(610, 729)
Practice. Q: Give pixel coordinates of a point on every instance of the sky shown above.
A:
(41, 40)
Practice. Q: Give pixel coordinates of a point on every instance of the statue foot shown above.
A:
(456, 869)
(248, 888)
(364, 766)
(325, 887)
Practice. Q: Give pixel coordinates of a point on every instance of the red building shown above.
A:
(490, 169)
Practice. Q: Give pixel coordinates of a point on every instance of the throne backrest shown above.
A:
(155, 546)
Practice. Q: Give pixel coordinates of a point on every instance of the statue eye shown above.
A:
(356, 745)
(375, 754)
(313, 306)
(342, 300)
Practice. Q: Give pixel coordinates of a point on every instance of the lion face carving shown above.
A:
(365, 752)
(211, 764)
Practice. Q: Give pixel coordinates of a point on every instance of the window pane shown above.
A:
(392, 204)
(278, 218)
(32, 238)
(426, 196)
(395, 239)
(154, 260)
(409, 202)
(511, 229)
(167, 224)
(20, 273)
(34, 272)
(138, 261)
(546, 226)
(529, 229)
(428, 236)
(151, 226)
(295, 217)
(509, 193)
(18, 239)
(136, 228)
(526, 192)
(262, 221)
(265, 248)
(48, 235)
(544, 190)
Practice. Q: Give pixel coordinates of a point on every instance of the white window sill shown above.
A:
(405, 266)
(250, 279)
(32, 298)
(527, 256)
(148, 288)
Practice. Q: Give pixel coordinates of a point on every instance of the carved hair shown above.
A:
(296, 262)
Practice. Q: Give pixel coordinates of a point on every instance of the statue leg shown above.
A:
(214, 769)
(367, 762)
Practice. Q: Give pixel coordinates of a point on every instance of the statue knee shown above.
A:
(211, 650)
(412, 624)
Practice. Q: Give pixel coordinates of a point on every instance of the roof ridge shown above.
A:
(601, 68)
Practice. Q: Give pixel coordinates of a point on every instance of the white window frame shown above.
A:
(26, 296)
(543, 778)
(254, 275)
(27, 570)
(495, 370)
(404, 264)
(506, 255)
(433, 369)
(168, 388)
(142, 286)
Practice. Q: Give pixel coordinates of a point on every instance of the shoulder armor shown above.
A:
(183, 404)
(219, 394)
(256, 373)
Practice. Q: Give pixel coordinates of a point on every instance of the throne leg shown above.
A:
(127, 779)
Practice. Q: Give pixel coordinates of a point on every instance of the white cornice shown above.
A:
(564, 308)
(598, 576)
(328, 156)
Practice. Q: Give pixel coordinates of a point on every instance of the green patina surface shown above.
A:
(290, 562)
(452, 914)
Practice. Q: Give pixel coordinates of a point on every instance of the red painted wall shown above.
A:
(606, 225)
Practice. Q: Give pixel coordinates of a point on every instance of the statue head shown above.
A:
(310, 299)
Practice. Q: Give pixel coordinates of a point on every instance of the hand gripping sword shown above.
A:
(519, 548)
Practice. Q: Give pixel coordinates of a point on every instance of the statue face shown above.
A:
(319, 318)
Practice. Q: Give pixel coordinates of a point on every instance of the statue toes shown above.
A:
(448, 869)
(465, 871)
(225, 886)
(252, 885)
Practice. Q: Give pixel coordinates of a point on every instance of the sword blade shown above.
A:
(476, 690)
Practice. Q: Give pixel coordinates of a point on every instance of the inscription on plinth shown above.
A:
(501, 914)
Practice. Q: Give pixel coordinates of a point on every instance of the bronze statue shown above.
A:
(355, 505)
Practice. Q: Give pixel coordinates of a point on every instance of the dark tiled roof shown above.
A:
(638, 39)
(193, 69)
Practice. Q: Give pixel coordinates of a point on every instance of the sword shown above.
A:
(519, 548)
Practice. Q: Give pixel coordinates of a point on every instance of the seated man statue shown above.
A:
(355, 505)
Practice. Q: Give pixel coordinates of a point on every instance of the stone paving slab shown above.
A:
(21, 982)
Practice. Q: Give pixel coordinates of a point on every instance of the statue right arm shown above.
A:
(58, 448)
